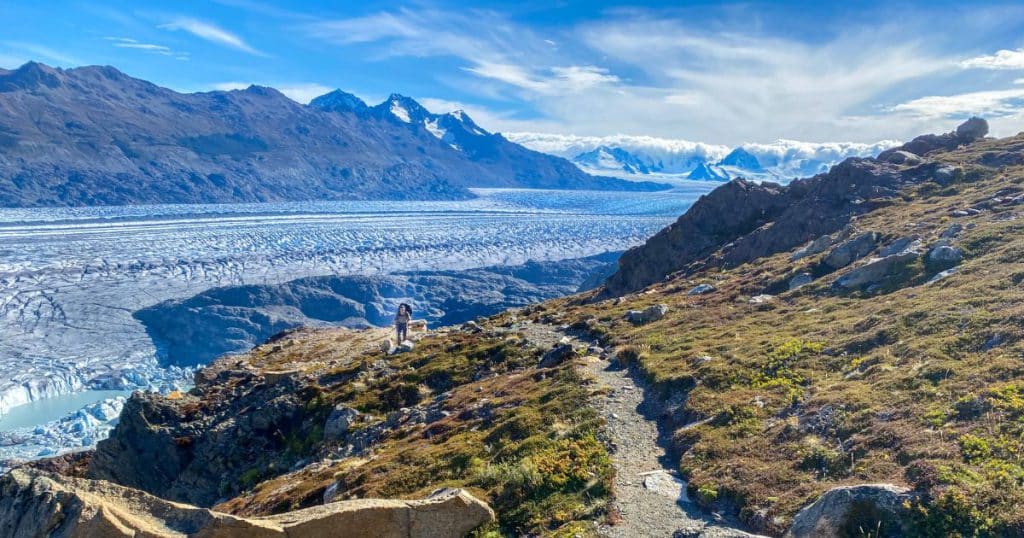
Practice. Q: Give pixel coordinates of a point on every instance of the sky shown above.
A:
(722, 73)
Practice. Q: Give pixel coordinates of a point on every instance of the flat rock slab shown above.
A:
(666, 485)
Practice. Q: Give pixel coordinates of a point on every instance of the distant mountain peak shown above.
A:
(740, 158)
(706, 173)
(339, 100)
(30, 75)
(405, 109)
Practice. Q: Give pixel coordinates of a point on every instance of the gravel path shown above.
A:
(649, 495)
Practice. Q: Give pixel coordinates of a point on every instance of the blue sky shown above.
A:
(708, 71)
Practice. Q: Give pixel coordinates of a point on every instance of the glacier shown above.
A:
(71, 278)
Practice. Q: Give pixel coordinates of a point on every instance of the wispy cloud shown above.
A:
(211, 33)
(983, 103)
(641, 72)
(163, 50)
(34, 51)
(1003, 59)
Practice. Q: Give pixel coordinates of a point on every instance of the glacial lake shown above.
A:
(50, 409)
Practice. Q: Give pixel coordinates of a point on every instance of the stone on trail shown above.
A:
(557, 355)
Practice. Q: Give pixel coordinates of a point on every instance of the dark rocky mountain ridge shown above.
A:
(95, 136)
(765, 218)
(198, 329)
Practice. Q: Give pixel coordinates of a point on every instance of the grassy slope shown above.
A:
(786, 399)
(516, 435)
(819, 389)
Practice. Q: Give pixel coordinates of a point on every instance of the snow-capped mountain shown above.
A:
(633, 156)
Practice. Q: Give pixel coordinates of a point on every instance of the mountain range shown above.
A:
(666, 159)
(95, 136)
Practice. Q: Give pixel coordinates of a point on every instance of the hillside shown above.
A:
(859, 376)
(95, 136)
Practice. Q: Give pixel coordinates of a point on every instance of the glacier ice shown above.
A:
(70, 278)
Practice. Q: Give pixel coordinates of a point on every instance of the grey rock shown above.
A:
(941, 275)
(800, 281)
(557, 355)
(828, 517)
(814, 247)
(647, 315)
(943, 257)
(405, 347)
(701, 289)
(973, 129)
(761, 299)
(849, 251)
(876, 271)
(900, 157)
(947, 174)
(339, 422)
(899, 245)
(953, 231)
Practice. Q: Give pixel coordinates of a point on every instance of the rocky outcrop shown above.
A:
(874, 509)
(199, 329)
(969, 131)
(741, 221)
(34, 503)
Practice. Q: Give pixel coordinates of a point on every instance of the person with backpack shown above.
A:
(402, 319)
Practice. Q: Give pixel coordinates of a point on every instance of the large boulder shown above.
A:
(973, 129)
(853, 511)
(876, 271)
(814, 247)
(943, 257)
(33, 503)
(647, 315)
(339, 421)
(849, 251)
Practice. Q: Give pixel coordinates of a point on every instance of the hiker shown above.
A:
(402, 319)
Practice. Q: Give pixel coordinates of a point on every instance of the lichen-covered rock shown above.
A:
(814, 247)
(34, 503)
(944, 257)
(647, 315)
(849, 251)
(876, 271)
(878, 508)
(339, 422)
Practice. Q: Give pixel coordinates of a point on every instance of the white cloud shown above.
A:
(129, 43)
(33, 51)
(983, 103)
(554, 81)
(211, 33)
(1003, 59)
(299, 92)
(640, 71)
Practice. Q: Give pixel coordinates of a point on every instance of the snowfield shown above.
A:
(70, 278)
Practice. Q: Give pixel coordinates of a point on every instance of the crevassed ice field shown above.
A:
(70, 278)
